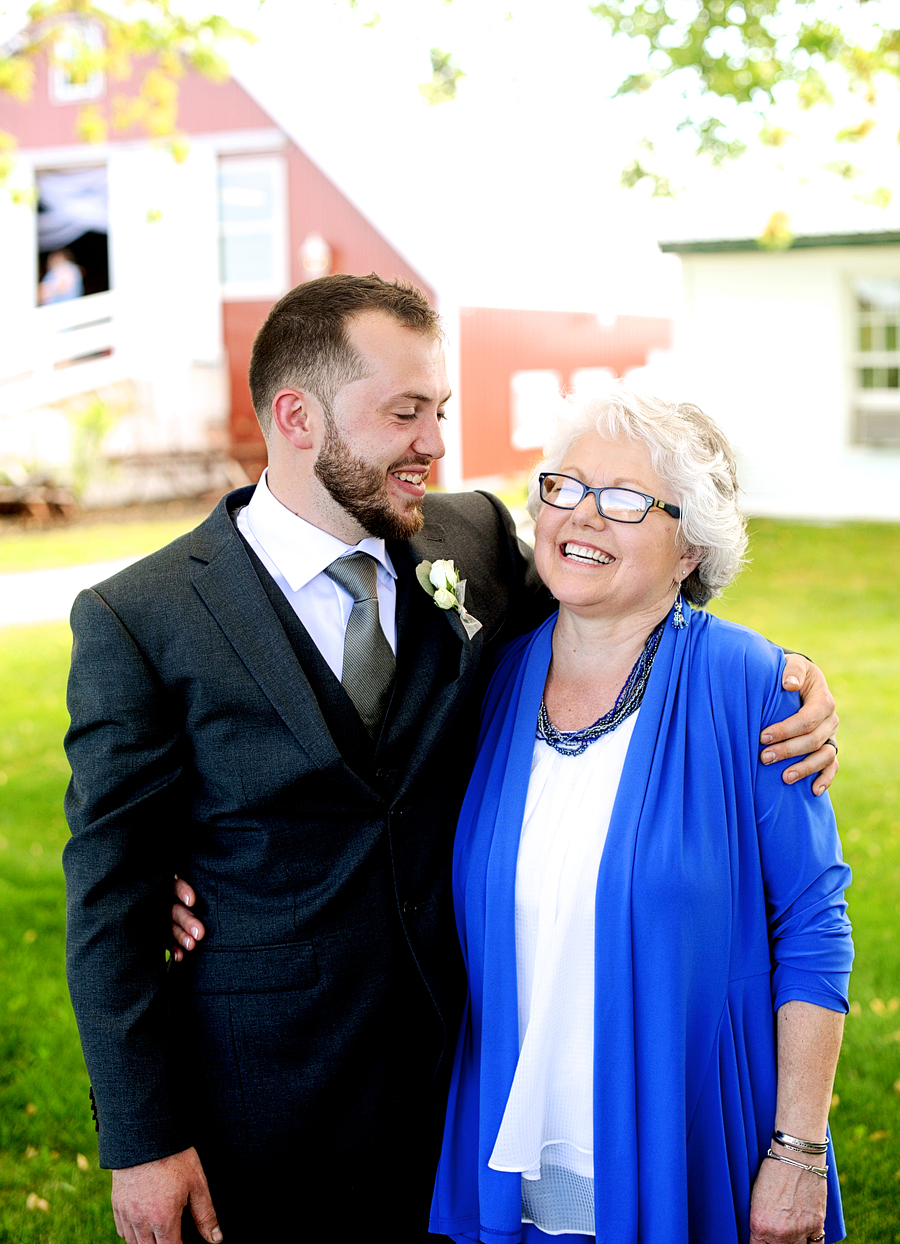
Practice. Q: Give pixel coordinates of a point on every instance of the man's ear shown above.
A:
(294, 414)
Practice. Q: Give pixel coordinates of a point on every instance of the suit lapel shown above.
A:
(226, 581)
(436, 661)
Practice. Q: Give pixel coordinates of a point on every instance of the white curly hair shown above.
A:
(690, 455)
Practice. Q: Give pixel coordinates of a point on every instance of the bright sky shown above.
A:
(509, 196)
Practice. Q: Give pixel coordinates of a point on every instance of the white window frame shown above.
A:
(872, 407)
(62, 89)
(277, 228)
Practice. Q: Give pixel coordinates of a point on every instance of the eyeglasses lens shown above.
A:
(623, 505)
(620, 504)
(562, 491)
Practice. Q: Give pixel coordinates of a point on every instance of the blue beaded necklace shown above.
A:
(574, 742)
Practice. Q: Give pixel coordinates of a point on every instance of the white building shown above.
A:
(796, 353)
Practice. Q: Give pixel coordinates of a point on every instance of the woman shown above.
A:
(636, 898)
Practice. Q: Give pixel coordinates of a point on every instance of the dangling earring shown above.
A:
(678, 619)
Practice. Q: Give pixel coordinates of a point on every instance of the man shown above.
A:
(241, 716)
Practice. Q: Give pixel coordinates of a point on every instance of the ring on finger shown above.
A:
(828, 743)
(816, 1239)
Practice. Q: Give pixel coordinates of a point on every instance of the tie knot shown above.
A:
(356, 574)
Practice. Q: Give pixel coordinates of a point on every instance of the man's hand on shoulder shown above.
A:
(809, 733)
(148, 1200)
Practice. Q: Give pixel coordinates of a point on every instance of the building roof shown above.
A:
(712, 245)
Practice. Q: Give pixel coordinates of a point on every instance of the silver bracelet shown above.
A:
(821, 1171)
(801, 1146)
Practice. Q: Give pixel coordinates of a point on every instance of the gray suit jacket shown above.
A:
(208, 738)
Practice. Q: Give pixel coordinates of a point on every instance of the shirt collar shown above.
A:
(300, 550)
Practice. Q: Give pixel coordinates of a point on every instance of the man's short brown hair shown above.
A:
(304, 345)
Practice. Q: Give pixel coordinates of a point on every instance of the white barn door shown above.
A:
(164, 269)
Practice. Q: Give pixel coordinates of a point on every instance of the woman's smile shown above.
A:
(585, 554)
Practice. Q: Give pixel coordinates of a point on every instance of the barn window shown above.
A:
(877, 361)
(73, 78)
(533, 397)
(252, 227)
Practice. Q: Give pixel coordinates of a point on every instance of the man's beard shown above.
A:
(361, 489)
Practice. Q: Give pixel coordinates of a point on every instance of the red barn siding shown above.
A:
(317, 206)
(494, 343)
(241, 321)
(38, 123)
(204, 107)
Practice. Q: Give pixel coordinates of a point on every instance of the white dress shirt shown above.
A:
(296, 553)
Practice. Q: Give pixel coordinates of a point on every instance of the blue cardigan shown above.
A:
(719, 898)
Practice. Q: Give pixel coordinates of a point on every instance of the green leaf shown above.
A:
(423, 570)
(635, 173)
(856, 133)
(445, 77)
(882, 196)
(777, 235)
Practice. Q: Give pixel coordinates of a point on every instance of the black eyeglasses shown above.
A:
(622, 505)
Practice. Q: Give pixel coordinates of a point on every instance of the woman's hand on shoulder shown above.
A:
(787, 1205)
(810, 732)
(187, 929)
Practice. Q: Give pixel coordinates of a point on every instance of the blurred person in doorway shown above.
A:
(62, 281)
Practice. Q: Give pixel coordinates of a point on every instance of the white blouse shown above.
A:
(547, 1128)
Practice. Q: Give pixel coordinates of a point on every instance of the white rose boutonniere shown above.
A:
(441, 581)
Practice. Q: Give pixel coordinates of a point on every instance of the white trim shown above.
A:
(236, 142)
(85, 333)
(84, 154)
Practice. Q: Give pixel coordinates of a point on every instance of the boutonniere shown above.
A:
(442, 583)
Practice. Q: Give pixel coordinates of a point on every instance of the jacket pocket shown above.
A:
(256, 969)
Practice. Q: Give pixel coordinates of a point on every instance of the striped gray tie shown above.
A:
(369, 665)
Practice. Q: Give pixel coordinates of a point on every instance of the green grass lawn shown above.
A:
(45, 1121)
(95, 540)
(833, 592)
(828, 591)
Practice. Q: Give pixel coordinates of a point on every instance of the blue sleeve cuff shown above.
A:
(828, 990)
